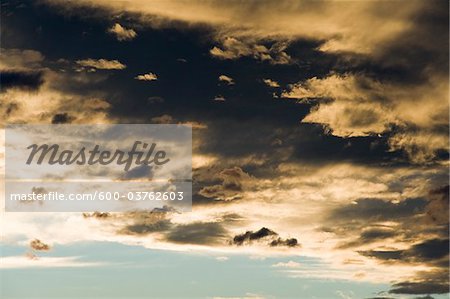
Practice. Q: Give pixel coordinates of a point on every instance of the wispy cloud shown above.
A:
(16, 262)
(147, 77)
(101, 64)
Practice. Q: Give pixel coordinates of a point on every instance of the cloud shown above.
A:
(146, 227)
(356, 105)
(200, 233)
(232, 48)
(141, 171)
(38, 245)
(20, 58)
(379, 209)
(222, 258)
(101, 64)
(147, 77)
(219, 98)
(226, 79)
(266, 234)
(289, 264)
(62, 118)
(20, 262)
(426, 251)
(291, 242)
(437, 209)
(424, 287)
(48, 96)
(344, 26)
(46, 105)
(271, 83)
(376, 93)
(234, 180)
(122, 33)
(345, 295)
(355, 182)
(250, 236)
(99, 215)
(371, 235)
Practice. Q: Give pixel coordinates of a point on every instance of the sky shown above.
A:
(319, 155)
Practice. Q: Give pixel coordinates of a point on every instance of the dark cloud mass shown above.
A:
(62, 118)
(38, 245)
(198, 233)
(264, 234)
(430, 250)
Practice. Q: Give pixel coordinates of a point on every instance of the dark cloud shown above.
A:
(379, 209)
(249, 236)
(437, 210)
(21, 79)
(201, 233)
(62, 118)
(38, 245)
(371, 235)
(291, 242)
(427, 251)
(142, 171)
(426, 287)
(144, 223)
(39, 190)
(263, 234)
(146, 228)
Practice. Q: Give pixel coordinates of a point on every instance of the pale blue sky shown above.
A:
(137, 272)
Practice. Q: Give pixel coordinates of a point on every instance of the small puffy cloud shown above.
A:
(62, 118)
(140, 172)
(271, 83)
(290, 264)
(147, 77)
(38, 245)
(101, 64)
(226, 79)
(222, 258)
(219, 98)
(122, 33)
